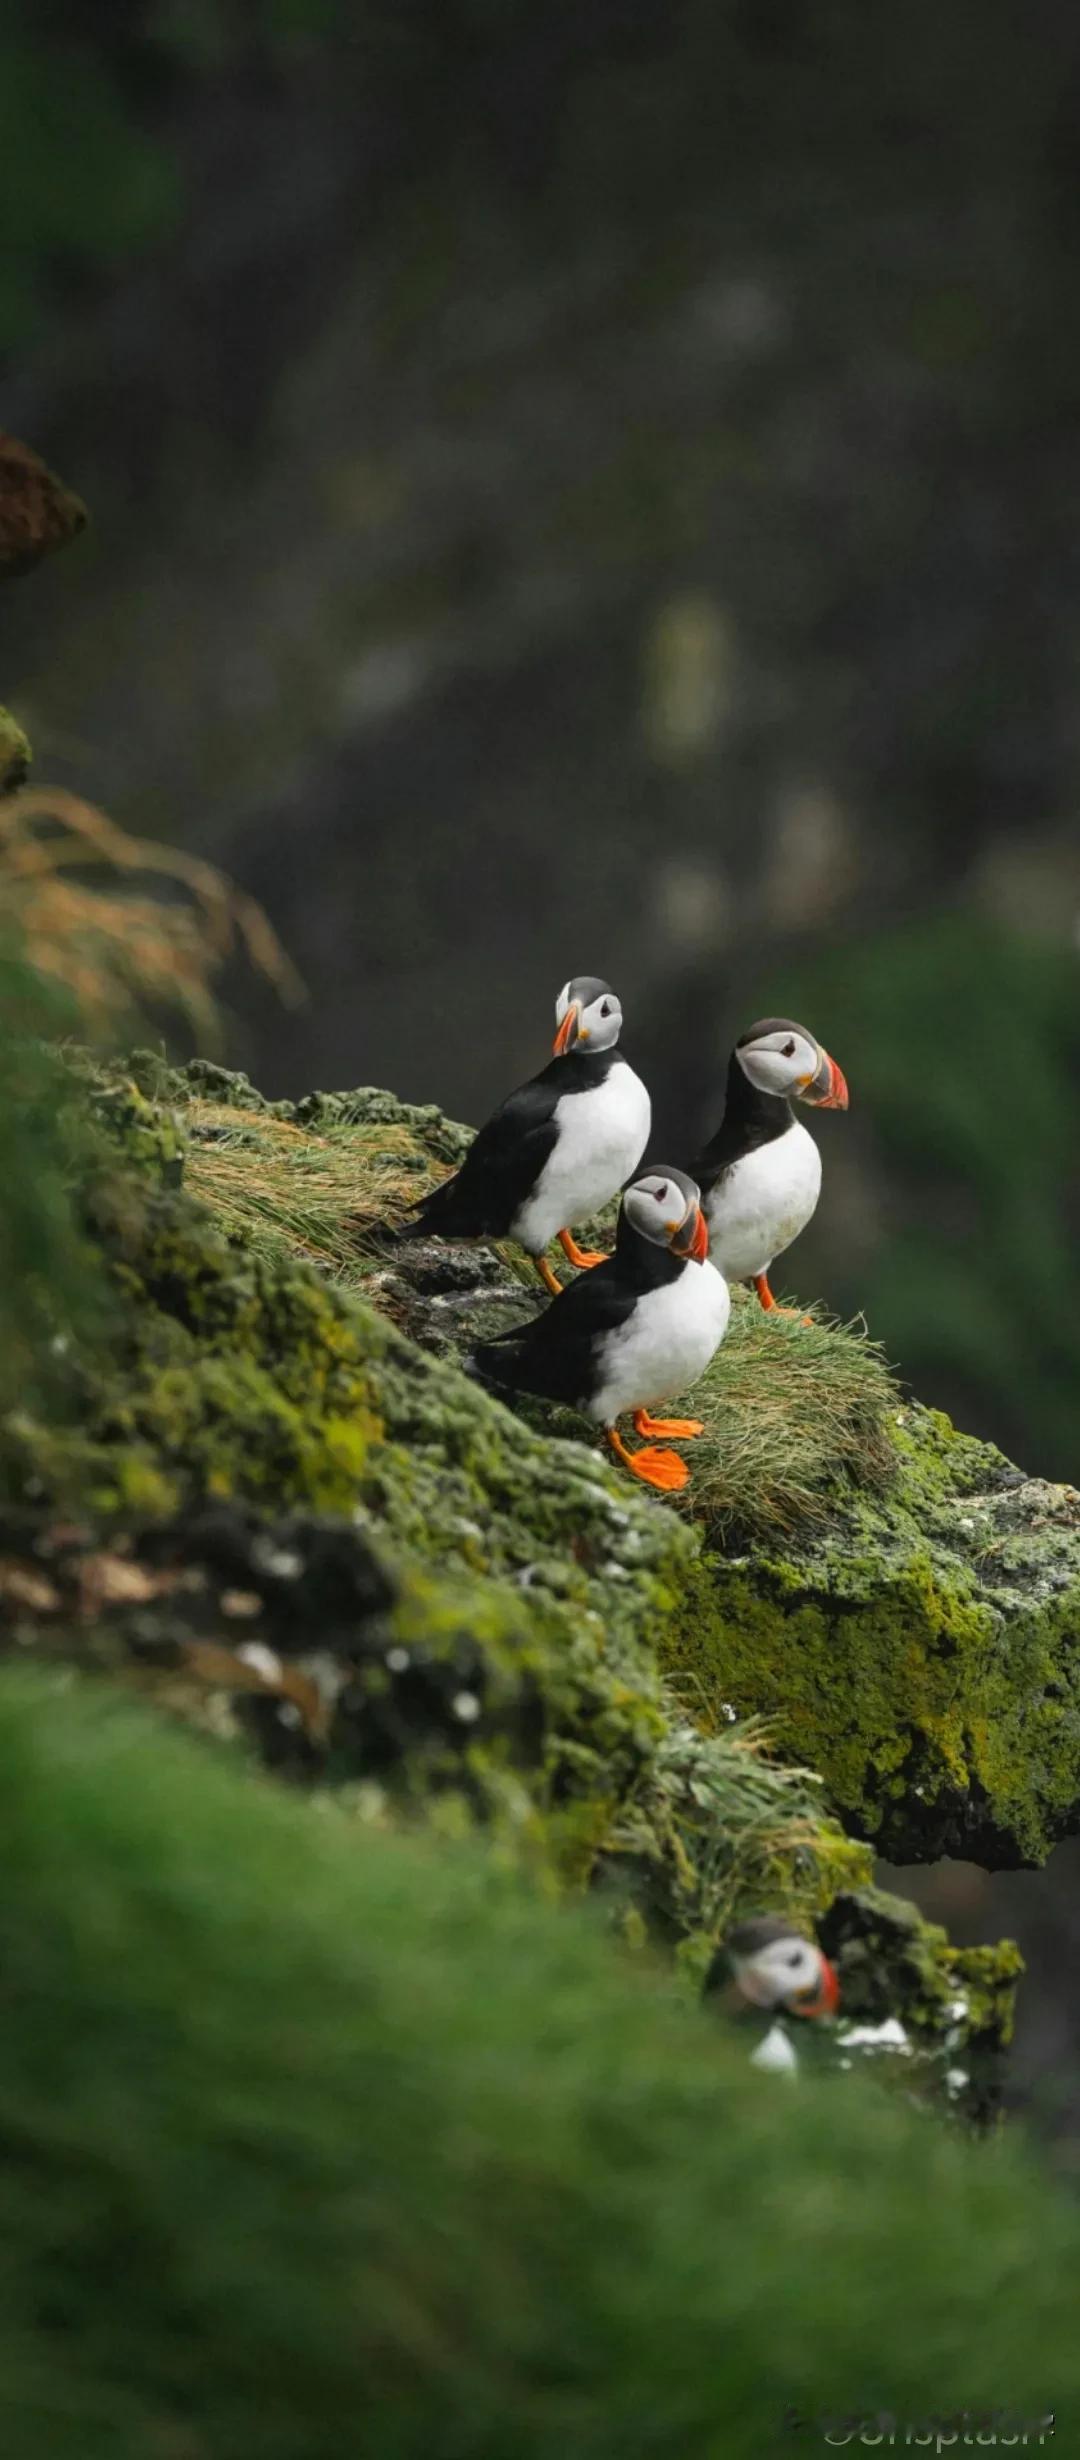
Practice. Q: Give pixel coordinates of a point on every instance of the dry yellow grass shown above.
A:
(70, 880)
(314, 1190)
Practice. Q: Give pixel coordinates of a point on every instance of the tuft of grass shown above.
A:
(728, 1812)
(313, 1191)
(69, 879)
(793, 1412)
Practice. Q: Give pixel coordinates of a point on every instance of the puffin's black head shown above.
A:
(773, 1966)
(780, 1057)
(665, 1207)
(588, 1014)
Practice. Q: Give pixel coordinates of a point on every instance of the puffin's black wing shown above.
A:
(556, 1354)
(500, 1169)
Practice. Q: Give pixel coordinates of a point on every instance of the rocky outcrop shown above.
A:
(270, 1498)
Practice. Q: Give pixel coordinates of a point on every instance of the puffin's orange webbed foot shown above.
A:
(680, 1429)
(761, 1285)
(582, 1258)
(661, 1469)
(549, 1278)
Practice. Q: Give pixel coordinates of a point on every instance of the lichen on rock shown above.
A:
(298, 1522)
(921, 1652)
(504, 1593)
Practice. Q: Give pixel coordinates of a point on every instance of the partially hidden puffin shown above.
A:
(639, 1328)
(765, 1974)
(760, 1176)
(558, 1148)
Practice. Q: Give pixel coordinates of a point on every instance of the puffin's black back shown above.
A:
(558, 1354)
(508, 1154)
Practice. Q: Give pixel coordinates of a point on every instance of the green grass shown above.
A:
(720, 1825)
(320, 2142)
(793, 1411)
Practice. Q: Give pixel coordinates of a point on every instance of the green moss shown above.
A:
(306, 2124)
(490, 1644)
(920, 1654)
(510, 1672)
(955, 2005)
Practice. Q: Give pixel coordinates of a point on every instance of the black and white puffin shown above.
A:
(639, 1328)
(760, 1176)
(558, 1148)
(766, 1973)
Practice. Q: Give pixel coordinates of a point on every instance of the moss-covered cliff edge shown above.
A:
(268, 1496)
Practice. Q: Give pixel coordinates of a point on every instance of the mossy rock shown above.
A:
(269, 1508)
(896, 1599)
(924, 2011)
(921, 1654)
(274, 1511)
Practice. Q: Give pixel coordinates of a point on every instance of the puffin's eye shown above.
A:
(662, 1194)
(788, 1051)
(796, 1957)
(605, 1007)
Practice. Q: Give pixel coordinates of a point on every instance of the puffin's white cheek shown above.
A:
(769, 1071)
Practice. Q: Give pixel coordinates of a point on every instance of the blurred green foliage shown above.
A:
(51, 1284)
(962, 1042)
(88, 172)
(82, 185)
(319, 2140)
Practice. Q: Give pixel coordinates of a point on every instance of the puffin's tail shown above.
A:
(430, 1215)
(495, 1362)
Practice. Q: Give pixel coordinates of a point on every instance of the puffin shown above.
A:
(637, 1328)
(557, 1149)
(760, 1176)
(765, 1974)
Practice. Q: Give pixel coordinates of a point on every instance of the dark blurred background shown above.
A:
(595, 485)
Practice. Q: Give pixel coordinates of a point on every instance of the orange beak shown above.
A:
(692, 1237)
(827, 1999)
(828, 1089)
(569, 1031)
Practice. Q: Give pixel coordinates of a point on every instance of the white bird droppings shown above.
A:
(887, 2036)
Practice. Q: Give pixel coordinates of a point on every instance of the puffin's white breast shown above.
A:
(776, 2053)
(601, 1138)
(762, 1202)
(664, 1345)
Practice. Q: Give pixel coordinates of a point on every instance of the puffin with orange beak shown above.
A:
(556, 1150)
(766, 1973)
(760, 1176)
(639, 1328)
